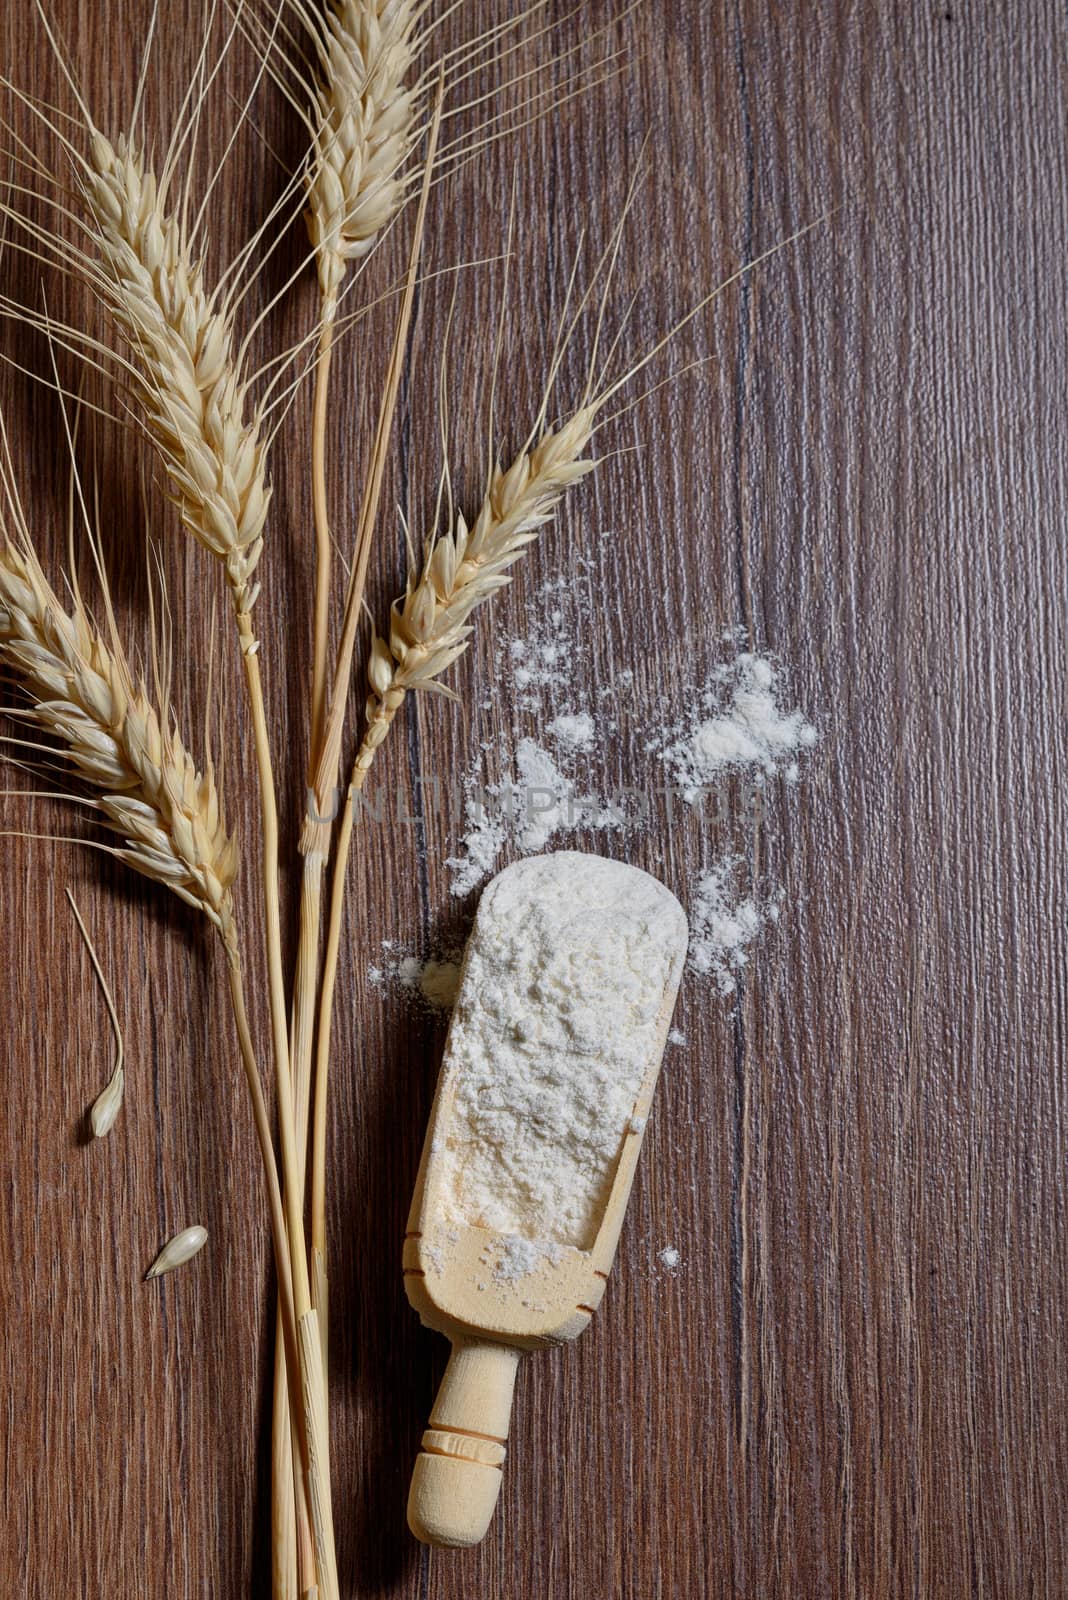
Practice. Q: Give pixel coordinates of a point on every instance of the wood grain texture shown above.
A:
(855, 1383)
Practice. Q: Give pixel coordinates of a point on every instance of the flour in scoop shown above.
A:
(571, 964)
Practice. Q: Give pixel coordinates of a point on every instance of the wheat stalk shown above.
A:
(149, 789)
(325, 769)
(196, 403)
(182, 342)
(362, 125)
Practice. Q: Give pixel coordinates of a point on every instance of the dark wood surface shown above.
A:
(855, 1383)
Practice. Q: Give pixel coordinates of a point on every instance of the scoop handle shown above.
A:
(457, 1475)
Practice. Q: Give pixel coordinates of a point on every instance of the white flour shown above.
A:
(521, 796)
(536, 803)
(432, 982)
(487, 830)
(560, 1020)
(541, 662)
(723, 924)
(574, 730)
(532, 786)
(513, 1257)
(739, 725)
(545, 801)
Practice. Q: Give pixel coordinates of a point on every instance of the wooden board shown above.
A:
(854, 1383)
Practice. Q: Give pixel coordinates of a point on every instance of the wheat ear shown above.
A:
(149, 789)
(189, 374)
(465, 567)
(364, 116)
(182, 347)
(165, 810)
(182, 343)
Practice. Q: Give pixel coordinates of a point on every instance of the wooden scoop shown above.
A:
(451, 1267)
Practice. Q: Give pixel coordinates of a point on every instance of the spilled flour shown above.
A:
(527, 791)
(540, 662)
(724, 923)
(432, 982)
(739, 724)
(568, 966)
(524, 792)
(575, 730)
(528, 809)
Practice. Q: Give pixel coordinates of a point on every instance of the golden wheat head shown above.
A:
(182, 346)
(364, 113)
(464, 567)
(145, 783)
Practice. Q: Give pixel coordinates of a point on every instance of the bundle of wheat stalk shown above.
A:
(371, 86)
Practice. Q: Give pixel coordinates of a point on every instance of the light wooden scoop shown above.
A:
(449, 1267)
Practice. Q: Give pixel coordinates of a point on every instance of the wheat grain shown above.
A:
(108, 1103)
(182, 344)
(148, 788)
(429, 626)
(177, 1251)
